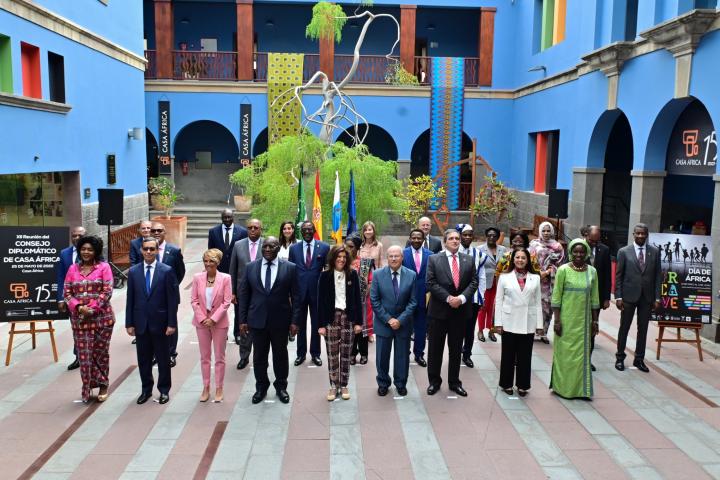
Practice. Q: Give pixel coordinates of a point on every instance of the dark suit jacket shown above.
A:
(602, 264)
(136, 251)
(308, 277)
(632, 283)
(173, 257)
(216, 239)
(275, 309)
(409, 262)
(435, 244)
(156, 311)
(440, 285)
(62, 268)
(326, 298)
(386, 306)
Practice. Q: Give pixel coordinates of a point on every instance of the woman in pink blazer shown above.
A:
(211, 297)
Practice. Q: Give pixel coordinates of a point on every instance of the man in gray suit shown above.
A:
(245, 251)
(392, 296)
(637, 287)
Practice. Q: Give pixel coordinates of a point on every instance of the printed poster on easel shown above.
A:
(686, 291)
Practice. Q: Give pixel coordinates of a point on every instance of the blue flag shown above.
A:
(352, 215)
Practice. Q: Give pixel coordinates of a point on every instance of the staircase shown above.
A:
(202, 218)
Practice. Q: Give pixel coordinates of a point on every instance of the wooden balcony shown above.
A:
(151, 68)
(423, 70)
(191, 65)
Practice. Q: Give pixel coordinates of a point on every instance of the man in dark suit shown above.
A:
(600, 259)
(224, 236)
(245, 251)
(268, 306)
(151, 317)
(431, 243)
(136, 243)
(309, 259)
(68, 256)
(392, 295)
(638, 277)
(415, 257)
(452, 281)
(172, 256)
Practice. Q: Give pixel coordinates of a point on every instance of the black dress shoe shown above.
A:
(363, 360)
(284, 396)
(75, 364)
(433, 389)
(640, 365)
(164, 398)
(144, 397)
(353, 360)
(619, 365)
(402, 391)
(459, 390)
(173, 362)
(492, 337)
(243, 363)
(592, 367)
(299, 361)
(382, 391)
(468, 361)
(545, 340)
(258, 396)
(318, 362)
(420, 361)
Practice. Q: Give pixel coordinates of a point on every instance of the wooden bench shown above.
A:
(120, 241)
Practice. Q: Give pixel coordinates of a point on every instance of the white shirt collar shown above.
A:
(447, 252)
(151, 265)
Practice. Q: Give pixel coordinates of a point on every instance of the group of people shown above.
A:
(426, 294)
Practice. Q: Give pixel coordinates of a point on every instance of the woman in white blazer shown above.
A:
(518, 317)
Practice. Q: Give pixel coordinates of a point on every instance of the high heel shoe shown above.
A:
(492, 336)
(205, 395)
(218, 395)
(481, 336)
(103, 394)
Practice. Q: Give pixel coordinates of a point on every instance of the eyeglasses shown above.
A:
(157, 230)
(149, 249)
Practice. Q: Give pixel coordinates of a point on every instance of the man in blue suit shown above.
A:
(393, 300)
(68, 256)
(415, 257)
(224, 236)
(268, 306)
(136, 243)
(172, 256)
(309, 259)
(151, 317)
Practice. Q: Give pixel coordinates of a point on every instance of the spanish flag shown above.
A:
(317, 209)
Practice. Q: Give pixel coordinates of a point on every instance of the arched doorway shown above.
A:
(211, 153)
(261, 143)
(151, 153)
(378, 141)
(611, 147)
(420, 164)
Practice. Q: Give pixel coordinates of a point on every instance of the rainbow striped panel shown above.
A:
(698, 302)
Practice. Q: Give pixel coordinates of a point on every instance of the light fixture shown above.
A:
(269, 23)
(135, 133)
(539, 68)
(185, 20)
(430, 26)
(353, 24)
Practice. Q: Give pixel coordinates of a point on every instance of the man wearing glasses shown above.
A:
(245, 251)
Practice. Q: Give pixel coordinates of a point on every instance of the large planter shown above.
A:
(243, 203)
(175, 228)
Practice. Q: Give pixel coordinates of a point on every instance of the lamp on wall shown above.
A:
(135, 133)
(185, 20)
(269, 23)
(430, 26)
(539, 68)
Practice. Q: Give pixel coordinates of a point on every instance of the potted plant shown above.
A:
(494, 201)
(167, 197)
(155, 185)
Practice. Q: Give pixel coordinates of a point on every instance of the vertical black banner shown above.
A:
(164, 160)
(245, 132)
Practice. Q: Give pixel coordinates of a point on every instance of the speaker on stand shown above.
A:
(110, 212)
(558, 206)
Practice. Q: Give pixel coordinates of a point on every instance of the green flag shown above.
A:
(301, 211)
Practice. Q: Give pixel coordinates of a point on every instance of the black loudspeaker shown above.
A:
(110, 208)
(558, 203)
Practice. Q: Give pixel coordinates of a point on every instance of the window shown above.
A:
(56, 73)
(30, 55)
(6, 81)
(631, 14)
(546, 160)
(549, 23)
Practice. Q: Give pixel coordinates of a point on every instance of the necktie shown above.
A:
(147, 280)
(253, 251)
(308, 257)
(227, 238)
(427, 242)
(455, 271)
(268, 276)
(396, 287)
(74, 255)
(641, 258)
(418, 262)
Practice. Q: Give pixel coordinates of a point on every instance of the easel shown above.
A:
(32, 331)
(692, 326)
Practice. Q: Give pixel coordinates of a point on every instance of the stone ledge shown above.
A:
(34, 103)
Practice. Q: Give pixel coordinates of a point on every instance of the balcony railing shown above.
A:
(190, 65)
(371, 68)
(423, 70)
(151, 68)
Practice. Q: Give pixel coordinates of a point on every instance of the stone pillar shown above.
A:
(586, 200)
(408, 14)
(646, 199)
(486, 36)
(712, 331)
(245, 39)
(164, 38)
(403, 169)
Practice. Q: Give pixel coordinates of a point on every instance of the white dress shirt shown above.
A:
(340, 299)
(74, 254)
(161, 251)
(152, 269)
(638, 248)
(230, 230)
(284, 252)
(209, 297)
(450, 262)
(273, 271)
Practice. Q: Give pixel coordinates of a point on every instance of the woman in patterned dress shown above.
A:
(88, 288)
(550, 255)
(363, 267)
(371, 248)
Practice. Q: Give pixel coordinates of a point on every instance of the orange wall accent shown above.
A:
(164, 38)
(559, 21)
(486, 45)
(245, 39)
(541, 143)
(408, 15)
(30, 61)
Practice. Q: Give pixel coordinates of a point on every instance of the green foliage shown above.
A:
(419, 195)
(327, 22)
(397, 75)
(164, 190)
(271, 183)
(494, 200)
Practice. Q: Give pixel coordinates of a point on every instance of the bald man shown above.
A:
(431, 243)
